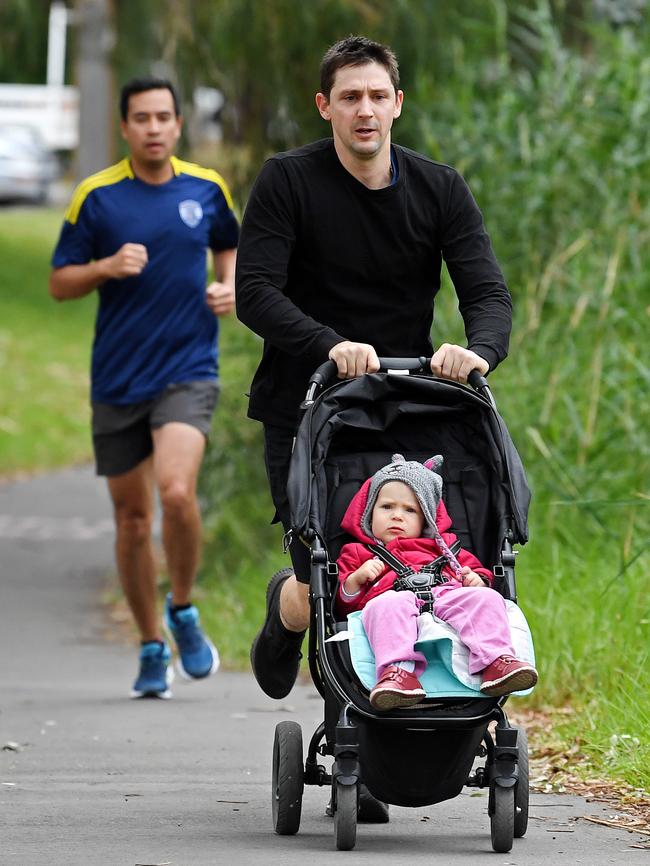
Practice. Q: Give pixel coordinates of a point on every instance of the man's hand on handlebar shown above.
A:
(449, 362)
(456, 363)
(354, 359)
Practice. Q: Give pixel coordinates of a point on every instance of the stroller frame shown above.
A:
(352, 727)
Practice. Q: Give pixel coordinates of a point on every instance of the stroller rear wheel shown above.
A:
(346, 804)
(502, 819)
(288, 778)
(522, 794)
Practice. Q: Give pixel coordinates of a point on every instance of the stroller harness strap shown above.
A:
(418, 582)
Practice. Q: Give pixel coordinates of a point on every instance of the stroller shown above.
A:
(425, 754)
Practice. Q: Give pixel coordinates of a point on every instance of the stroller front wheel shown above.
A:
(502, 820)
(346, 804)
(288, 778)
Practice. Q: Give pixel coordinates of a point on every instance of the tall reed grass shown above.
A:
(559, 163)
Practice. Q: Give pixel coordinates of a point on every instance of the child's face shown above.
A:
(397, 513)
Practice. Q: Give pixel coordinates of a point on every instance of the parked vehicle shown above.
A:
(27, 167)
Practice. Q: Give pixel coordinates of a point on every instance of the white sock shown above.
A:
(406, 666)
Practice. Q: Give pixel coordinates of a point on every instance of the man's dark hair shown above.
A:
(140, 85)
(355, 51)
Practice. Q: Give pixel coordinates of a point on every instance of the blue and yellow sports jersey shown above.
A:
(154, 329)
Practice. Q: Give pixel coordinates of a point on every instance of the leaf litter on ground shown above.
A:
(556, 767)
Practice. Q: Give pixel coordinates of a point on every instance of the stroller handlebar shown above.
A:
(325, 375)
(476, 381)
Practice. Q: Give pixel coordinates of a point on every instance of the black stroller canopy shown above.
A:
(354, 427)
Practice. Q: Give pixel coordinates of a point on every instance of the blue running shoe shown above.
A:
(198, 656)
(156, 674)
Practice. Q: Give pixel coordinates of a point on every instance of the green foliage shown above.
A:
(23, 47)
(264, 58)
(44, 401)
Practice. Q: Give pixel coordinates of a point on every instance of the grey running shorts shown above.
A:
(122, 434)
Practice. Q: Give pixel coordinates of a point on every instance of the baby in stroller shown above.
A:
(405, 562)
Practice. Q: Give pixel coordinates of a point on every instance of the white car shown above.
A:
(27, 167)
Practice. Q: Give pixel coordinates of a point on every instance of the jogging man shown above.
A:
(138, 232)
(340, 256)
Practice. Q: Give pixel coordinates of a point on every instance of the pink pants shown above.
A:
(477, 614)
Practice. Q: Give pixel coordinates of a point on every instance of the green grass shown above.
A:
(44, 351)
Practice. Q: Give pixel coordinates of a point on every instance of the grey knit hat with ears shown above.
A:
(423, 481)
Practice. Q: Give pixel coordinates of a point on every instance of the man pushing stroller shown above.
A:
(340, 257)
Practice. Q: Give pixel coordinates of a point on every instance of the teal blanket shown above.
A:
(447, 673)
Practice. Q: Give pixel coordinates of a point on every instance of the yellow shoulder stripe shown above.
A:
(182, 167)
(107, 177)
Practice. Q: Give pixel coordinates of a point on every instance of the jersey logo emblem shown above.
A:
(191, 212)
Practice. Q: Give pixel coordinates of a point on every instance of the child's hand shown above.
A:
(370, 570)
(471, 578)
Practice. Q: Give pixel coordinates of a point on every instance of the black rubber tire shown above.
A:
(502, 820)
(288, 778)
(345, 816)
(522, 790)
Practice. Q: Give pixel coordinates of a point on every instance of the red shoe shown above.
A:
(397, 688)
(507, 674)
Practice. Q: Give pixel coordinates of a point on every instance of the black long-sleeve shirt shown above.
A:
(322, 259)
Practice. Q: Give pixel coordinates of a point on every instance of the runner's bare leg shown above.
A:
(178, 451)
(132, 495)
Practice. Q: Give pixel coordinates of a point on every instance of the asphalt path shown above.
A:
(88, 776)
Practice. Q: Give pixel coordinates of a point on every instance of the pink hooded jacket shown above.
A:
(415, 552)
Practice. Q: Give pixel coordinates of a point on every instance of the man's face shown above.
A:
(151, 128)
(362, 106)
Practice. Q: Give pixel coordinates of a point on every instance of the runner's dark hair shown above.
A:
(141, 85)
(355, 51)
